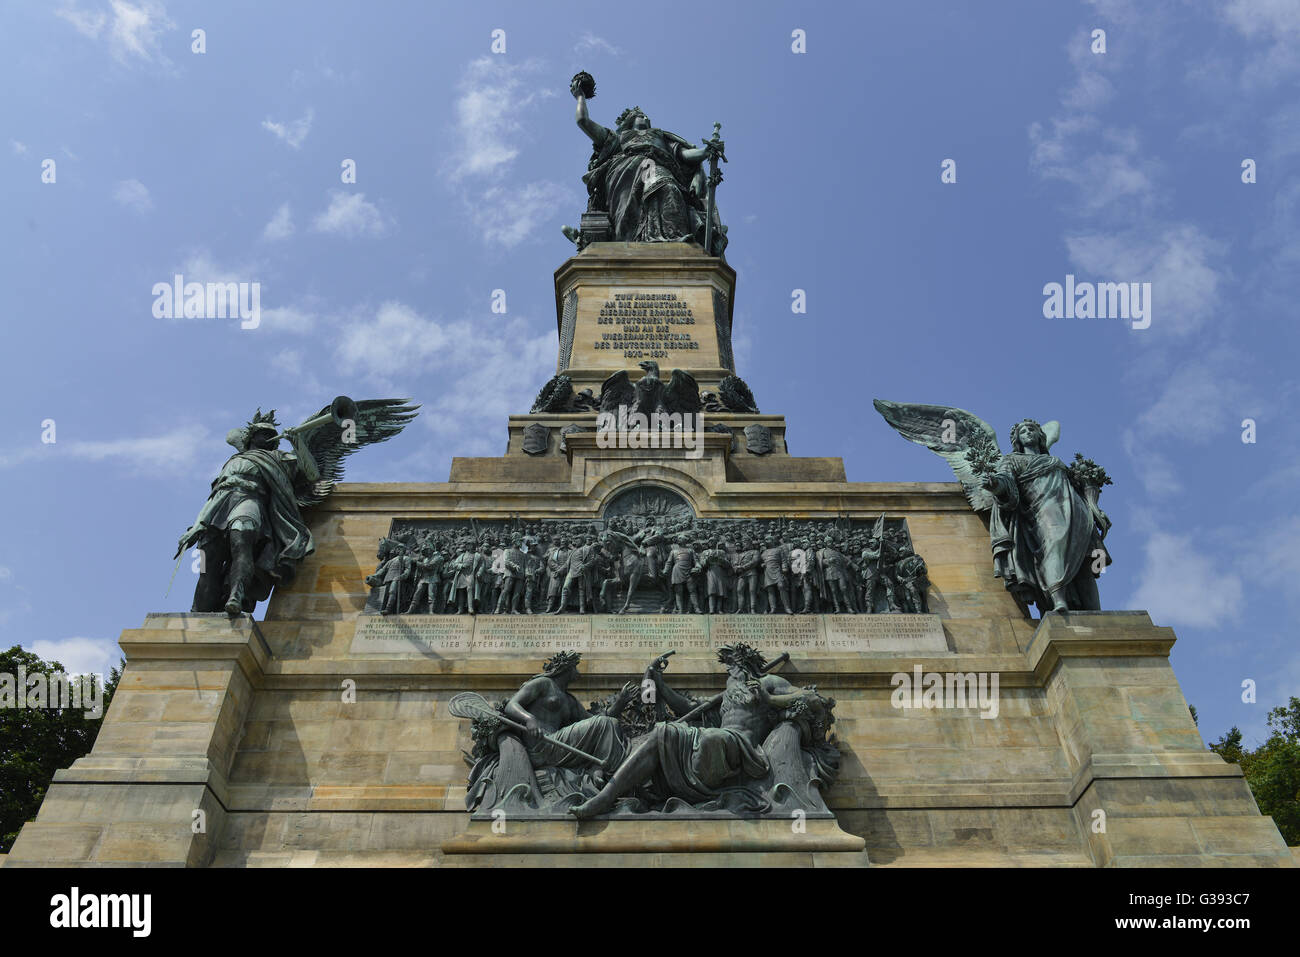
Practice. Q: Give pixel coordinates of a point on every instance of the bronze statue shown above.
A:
(250, 531)
(760, 747)
(651, 563)
(651, 184)
(541, 750)
(1045, 533)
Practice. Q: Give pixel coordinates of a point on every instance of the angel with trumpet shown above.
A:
(250, 533)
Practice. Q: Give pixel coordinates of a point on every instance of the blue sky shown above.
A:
(1123, 166)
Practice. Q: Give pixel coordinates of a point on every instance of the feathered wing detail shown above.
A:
(377, 421)
(924, 425)
(615, 391)
(682, 394)
(555, 395)
(736, 395)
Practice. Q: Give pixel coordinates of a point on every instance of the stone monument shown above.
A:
(648, 632)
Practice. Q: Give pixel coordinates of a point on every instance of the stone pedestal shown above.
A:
(1146, 791)
(154, 788)
(256, 727)
(322, 734)
(618, 304)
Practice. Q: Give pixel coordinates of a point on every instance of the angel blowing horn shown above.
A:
(250, 531)
(1045, 527)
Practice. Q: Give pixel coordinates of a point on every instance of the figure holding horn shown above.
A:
(250, 532)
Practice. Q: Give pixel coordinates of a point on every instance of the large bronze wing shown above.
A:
(682, 393)
(929, 425)
(616, 391)
(377, 420)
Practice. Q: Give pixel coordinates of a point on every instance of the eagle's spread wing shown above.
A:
(927, 424)
(682, 394)
(555, 395)
(377, 420)
(736, 395)
(616, 391)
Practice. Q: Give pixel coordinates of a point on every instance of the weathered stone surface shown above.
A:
(643, 636)
(304, 777)
(322, 737)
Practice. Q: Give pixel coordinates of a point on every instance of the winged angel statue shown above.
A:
(1045, 527)
(250, 532)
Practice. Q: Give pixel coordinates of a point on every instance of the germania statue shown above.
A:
(651, 184)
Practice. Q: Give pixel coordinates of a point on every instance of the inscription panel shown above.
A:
(618, 326)
(649, 635)
(884, 633)
(441, 636)
(770, 634)
(643, 636)
(541, 635)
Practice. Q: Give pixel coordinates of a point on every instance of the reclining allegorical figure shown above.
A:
(760, 748)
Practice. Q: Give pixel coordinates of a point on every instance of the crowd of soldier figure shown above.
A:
(692, 566)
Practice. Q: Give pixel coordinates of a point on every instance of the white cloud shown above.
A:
(1102, 163)
(288, 319)
(177, 452)
(397, 340)
(293, 132)
(484, 370)
(80, 656)
(1175, 259)
(280, 225)
(1182, 586)
(507, 215)
(201, 267)
(350, 214)
(1276, 22)
(1276, 557)
(86, 23)
(1198, 403)
(20, 149)
(493, 101)
(134, 195)
(132, 28)
(1159, 477)
(292, 366)
(590, 43)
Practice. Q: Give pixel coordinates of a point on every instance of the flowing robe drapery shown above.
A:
(1041, 529)
(265, 478)
(639, 177)
(543, 775)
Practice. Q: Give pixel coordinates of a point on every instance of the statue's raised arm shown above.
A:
(645, 185)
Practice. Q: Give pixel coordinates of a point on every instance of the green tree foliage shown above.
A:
(1273, 769)
(36, 742)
